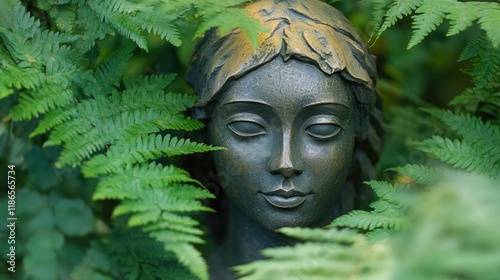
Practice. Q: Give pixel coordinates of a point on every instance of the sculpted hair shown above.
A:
(308, 31)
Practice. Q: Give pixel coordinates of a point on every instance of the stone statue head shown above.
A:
(299, 114)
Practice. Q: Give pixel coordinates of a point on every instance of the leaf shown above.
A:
(231, 19)
(427, 18)
(370, 220)
(140, 150)
(191, 258)
(420, 174)
(460, 154)
(73, 217)
(397, 10)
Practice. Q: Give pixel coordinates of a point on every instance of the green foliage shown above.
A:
(452, 234)
(64, 83)
(428, 14)
(480, 141)
(62, 67)
(388, 211)
(327, 254)
(230, 19)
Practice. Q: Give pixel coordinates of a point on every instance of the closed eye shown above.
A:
(323, 131)
(247, 128)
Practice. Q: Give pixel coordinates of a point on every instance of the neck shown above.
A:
(246, 239)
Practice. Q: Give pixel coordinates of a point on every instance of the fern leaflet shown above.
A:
(140, 150)
(460, 154)
(397, 10)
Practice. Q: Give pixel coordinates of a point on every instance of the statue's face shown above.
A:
(289, 133)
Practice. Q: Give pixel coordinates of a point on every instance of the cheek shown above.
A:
(327, 165)
(240, 163)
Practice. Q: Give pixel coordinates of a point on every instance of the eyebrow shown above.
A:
(322, 103)
(247, 101)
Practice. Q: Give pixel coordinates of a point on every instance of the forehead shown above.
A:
(292, 83)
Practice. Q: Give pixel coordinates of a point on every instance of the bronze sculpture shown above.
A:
(298, 115)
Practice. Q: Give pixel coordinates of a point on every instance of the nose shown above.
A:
(284, 161)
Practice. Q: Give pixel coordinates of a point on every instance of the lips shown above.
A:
(285, 199)
(285, 202)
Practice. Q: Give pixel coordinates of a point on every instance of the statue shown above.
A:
(300, 119)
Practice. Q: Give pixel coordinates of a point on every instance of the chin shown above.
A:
(292, 218)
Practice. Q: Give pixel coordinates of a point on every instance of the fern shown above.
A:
(471, 128)
(460, 154)
(379, 8)
(134, 20)
(63, 75)
(486, 62)
(141, 150)
(397, 10)
(328, 254)
(244, 23)
(429, 14)
(426, 19)
(419, 174)
(388, 212)
(49, 69)
(108, 73)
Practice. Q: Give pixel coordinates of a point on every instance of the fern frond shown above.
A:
(149, 83)
(118, 192)
(109, 72)
(488, 20)
(156, 209)
(191, 258)
(397, 10)
(164, 18)
(371, 220)
(159, 202)
(144, 175)
(474, 100)
(348, 255)
(140, 150)
(168, 225)
(387, 191)
(240, 19)
(133, 20)
(23, 27)
(460, 154)
(486, 62)
(460, 17)
(426, 19)
(115, 13)
(420, 174)
(388, 212)
(168, 218)
(379, 9)
(378, 234)
(174, 230)
(52, 119)
(431, 13)
(175, 238)
(142, 98)
(44, 55)
(483, 136)
(123, 126)
(64, 16)
(92, 27)
(32, 103)
(13, 77)
(68, 130)
(131, 102)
